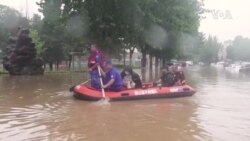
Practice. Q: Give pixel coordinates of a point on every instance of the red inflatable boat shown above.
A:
(85, 92)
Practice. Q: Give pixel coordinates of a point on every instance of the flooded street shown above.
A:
(41, 108)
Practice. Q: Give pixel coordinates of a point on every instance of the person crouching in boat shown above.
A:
(112, 80)
(95, 58)
(179, 74)
(130, 78)
(167, 79)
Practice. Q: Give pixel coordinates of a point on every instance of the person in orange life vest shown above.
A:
(95, 58)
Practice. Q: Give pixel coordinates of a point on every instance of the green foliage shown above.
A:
(10, 20)
(209, 53)
(116, 24)
(52, 30)
(170, 19)
(36, 32)
(37, 40)
(37, 23)
(152, 26)
(191, 46)
(198, 48)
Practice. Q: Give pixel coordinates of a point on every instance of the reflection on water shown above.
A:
(41, 108)
(223, 102)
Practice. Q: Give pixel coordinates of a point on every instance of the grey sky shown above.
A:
(228, 18)
(20, 5)
(223, 26)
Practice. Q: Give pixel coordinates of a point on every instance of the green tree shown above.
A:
(209, 53)
(37, 23)
(52, 31)
(9, 22)
(119, 24)
(191, 46)
(239, 50)
(37, 40)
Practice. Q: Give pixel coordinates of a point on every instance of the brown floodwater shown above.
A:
(38, 108)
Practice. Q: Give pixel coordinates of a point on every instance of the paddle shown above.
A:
(72, 88)
(100, 77)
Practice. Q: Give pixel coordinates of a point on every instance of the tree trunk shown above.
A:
(73, 62)
(51, 66)
(69, 63)
(163, 62)
(143, 64)
(57, 65)
(44, 66)
(130, 59)
(124, 57)
(79, 63)
(156, 67)
(131, 52)
(150, 67)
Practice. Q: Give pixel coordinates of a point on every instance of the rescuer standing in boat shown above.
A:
(95, 58)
